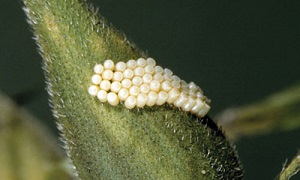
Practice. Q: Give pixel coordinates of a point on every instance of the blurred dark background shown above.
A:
(237, 51)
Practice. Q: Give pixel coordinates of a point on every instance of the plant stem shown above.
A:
(292, 169)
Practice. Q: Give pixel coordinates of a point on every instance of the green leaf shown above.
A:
(27, 149)
(106, 142)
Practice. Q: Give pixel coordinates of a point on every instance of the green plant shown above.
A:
(72, 40)
(111, 142)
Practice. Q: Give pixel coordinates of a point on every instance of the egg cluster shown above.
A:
(139, 83)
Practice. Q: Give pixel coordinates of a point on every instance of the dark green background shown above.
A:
(237, 51)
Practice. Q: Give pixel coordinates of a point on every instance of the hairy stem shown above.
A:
(279, 112)
(292, 169)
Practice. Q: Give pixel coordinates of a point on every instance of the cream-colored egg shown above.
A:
(145, 88)
(141, 62)
(158, 77)
(137, 81)
(141, 100)
(118, 76)
(158, 69)
(107, 74)
(147, 78)
(173, 95)
(166, 86)
(200, 95)
(126, 83)
(162, 98)
(131, 64)
(109, 64)
(192, 93)
(152, 98)
(120, 66)
(128, 74)
(168, 72)
(181, 100)
(102, 95)
(140, 83)
(151, 62)
(123, 94)
(115, 86)
(204, 110)
(93, 90)
(168, 77)
(105, 85)
(98, 69)
(198, 106)
(96, 79)
(176, 84)
(139, 71)
(193, 87)
(130, 102)
(112, 99)
(134, 91)
(189, 104)
(149, 69)
(176, 78)
(154, 85)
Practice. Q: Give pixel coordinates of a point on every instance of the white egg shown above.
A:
(107, 74)
(109, 64)
(115, 86)
(93, 90)
(141, 100)
(155, 85)
(128, 74)
(198, 106)
(112, 99)
(147, 78)
(131, 64)
(145, 88)
(123, 94)
(140, 83)
(166, 86)
(152, 98)
(168, 72)
(120, 66)
(173, 95)
(158, 77)
(98, 69)
(149, 69)
(189, 104)
(141, 62)
(158, 69)
(102, 95)
(134, 91)
(118, 76)
(139, 71)
(126, 83)
(151, 62)
(193, 87)
(181, 100)
(137, 81)
(204, 110)
(130, 102)
(162, 98)
(105, 85)
(96, 79)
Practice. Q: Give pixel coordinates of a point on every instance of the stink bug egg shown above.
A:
(109, 64)
(139, 83)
